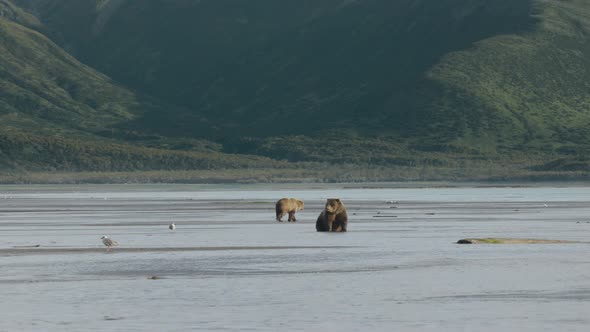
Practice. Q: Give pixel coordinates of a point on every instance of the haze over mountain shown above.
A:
(303, 80)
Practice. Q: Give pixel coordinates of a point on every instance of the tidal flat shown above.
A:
(229, 266)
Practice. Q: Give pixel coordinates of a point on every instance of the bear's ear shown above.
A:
(337, 200)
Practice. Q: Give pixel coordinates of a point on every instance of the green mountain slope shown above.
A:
(254, 67)
(58, 114)
(16, 14)
(374, 81)
(522, 91)
(41, 82)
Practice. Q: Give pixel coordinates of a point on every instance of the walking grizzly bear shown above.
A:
(334, 218)
(290, 206)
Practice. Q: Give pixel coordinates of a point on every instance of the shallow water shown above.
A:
(230, 266)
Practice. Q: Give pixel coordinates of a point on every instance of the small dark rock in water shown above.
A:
(464, 241)
(112, 318)
(154, 278)
(430, 214)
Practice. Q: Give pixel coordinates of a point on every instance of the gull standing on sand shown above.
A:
(110, 243)
(172, 226)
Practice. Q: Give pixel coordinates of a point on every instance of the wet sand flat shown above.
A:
(230, 266)
(34, 250)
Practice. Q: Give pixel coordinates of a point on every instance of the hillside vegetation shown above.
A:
(280, 67)
(387, 83)
(59, 114)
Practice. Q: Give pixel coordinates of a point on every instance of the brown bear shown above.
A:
(334, 218)
(290, 206)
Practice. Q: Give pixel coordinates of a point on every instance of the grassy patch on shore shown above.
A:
(314, 173)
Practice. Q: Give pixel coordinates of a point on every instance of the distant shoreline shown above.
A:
(389, 178)
(404, 177)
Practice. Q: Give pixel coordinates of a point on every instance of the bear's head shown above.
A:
(333, 205)
(299, 204)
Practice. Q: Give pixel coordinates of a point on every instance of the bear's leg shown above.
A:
(341, 221)
(320, 225)
(336, 227)
(292, 216)
(280, 216)
(330, 219)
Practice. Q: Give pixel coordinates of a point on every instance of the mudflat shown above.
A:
(230, 266)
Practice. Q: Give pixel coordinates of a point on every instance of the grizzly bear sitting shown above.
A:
(290, 206)
(334, 217)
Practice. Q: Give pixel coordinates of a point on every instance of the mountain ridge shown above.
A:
(308, 34)
(453, 79)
